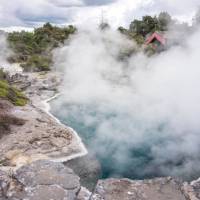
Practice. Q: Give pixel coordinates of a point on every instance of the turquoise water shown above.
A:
(114, 139)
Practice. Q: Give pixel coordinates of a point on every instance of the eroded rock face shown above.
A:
(45, 180)
(40, 135)
(196, 188)
(19, 80)
(41, 180)
(33, 133)
(4, 184)
(192, 191)
(156, 189)
(7, 118)
(84, 194)
(88, 169)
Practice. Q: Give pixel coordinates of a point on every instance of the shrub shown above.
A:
(12, 94)
(37, 63)
(33, 50)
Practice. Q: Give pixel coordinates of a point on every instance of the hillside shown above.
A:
(34, 49)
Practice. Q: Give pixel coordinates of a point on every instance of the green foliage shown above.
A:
(150, 24)
(33, 50)
(12, 94)
(37, 63)
(164, 21)
(3, 89)
(150, 50)
(139, 29)
(122, 30)
(147, 25)
(139, 39)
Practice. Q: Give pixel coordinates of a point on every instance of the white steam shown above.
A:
(4, 52)
(150, 105)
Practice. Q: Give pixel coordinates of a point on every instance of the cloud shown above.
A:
(69, 3)
(185, 12)
(98, 2)
(39, 11)
(117, 12)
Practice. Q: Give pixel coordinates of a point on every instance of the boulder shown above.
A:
(4, 184)
(155, 189)
(87, 168)
(196, 188)
(192, 190)
(84, 194)
(41, 180)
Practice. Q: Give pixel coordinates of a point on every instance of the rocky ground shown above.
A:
(40, 136)
(7, 118)
(157, 189)
(34, 148)
(87, 168)
(45, 180)
(41, 180)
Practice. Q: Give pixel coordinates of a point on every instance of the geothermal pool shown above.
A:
(126, 146)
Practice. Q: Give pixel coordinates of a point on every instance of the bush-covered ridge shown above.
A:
(10, 93)
(34, 49)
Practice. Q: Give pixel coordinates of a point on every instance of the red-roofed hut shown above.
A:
(157, 40)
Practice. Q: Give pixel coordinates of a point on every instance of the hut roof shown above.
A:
(156, 36)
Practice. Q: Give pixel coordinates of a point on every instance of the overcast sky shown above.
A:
(116, 12)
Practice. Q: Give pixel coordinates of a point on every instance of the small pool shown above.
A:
(127, 144)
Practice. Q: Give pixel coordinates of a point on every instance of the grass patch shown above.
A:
(12, 94)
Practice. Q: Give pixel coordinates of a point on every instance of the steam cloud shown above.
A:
(146, 110)
(4, 51)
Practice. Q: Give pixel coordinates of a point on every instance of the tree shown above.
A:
(122, 30)
(152, 24)
(104, 26)
(164, 21)
(34, 49)
(145, 26)
(138, 27)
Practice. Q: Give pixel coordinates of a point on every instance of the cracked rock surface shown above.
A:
(156, 189)
(40, 136)
(45, 180)
(41, 180)
(88, 169)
